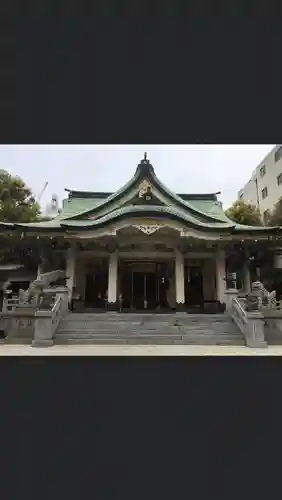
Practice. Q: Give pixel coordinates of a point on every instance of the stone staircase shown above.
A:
(121, 328)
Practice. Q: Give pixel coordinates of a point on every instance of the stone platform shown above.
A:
(134, 350)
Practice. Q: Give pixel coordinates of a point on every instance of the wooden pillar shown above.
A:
(246, 278)
(70, 269)
(220, 276)
(179, 280)
(112, 281)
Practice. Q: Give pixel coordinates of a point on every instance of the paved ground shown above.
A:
(119, 350)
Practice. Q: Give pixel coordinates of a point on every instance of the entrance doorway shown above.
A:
(194, 286)
(96, 285)
(144, 290)
(143, 285)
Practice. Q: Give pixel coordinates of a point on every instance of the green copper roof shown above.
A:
(153, 210)
(74, 206)
(201, 211)
(204, 206)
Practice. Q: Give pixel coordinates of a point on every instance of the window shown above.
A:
(279, 179)
(278, 154)
(264, 193)
(262, 171)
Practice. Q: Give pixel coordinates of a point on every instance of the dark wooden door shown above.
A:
(138, 289)
(193, 286)
(151, 290)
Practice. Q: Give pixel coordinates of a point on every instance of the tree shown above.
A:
(275, 216)
(244, 213)
(17, 204)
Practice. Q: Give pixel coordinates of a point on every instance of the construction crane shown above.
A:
(42, 192)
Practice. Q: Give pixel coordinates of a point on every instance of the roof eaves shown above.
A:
(149, 210)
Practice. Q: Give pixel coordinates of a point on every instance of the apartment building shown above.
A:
(264, 188)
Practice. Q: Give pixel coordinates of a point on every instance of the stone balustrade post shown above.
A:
(63, 292)
(43, 329)
(254, 330)
(230, 294)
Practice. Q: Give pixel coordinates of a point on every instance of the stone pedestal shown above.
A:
(43, 331)
(20, 325)
(254, 331)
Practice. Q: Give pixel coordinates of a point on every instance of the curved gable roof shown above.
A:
(81, 205)
(202, 211)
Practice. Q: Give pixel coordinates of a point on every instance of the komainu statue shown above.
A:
(260, 297)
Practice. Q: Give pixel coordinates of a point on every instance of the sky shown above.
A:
(183, 168)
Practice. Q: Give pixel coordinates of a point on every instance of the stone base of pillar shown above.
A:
(42, 343)
(180, 307)
(221, 307)
(113, 306)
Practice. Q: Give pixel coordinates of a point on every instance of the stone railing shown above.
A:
(250, 323)
(9, 303)
(258, 315)
(47, 321)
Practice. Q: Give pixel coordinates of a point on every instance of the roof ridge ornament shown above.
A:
(145, 160)
(145, 166)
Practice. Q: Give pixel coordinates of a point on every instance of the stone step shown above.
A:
(117, 331)
(148, 340)
(206, 330)
(129, 318)
(175, 328)
(18, 341)
(274, 341)
(211, 341)
(153, 322)
(145, 331)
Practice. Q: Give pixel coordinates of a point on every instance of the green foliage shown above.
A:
(275, 217)
(244, 213)
(17, 203)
